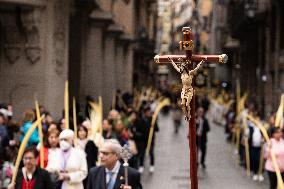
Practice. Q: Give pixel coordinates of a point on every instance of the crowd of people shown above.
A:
(71, 159)
(128, 122)
(255, 153)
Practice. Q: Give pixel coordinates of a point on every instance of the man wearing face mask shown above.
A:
(68, 163)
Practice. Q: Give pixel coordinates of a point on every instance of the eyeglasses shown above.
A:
(106, 153)
(28, 158)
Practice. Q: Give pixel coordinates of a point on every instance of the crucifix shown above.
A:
(184, 65)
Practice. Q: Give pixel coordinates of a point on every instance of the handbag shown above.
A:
(55, 180)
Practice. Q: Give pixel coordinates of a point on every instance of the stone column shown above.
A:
(129, 62)
(109, 65)
(92, 75)
(93, 81)
(108, 72)
(119, 67)
(92, 68)
(126, 64)
(56, 55)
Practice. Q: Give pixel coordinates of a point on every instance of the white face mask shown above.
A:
(64, 145)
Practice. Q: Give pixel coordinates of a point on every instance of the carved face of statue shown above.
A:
(183, 65)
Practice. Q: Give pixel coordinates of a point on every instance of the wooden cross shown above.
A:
(185, 65)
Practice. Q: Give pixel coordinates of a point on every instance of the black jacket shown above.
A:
(97, 178)
(141, 129)
(205, 130)
(92, 154)
(42, 179)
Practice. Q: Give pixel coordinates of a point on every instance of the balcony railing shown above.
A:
(244, 13)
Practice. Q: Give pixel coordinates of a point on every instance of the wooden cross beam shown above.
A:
(185, 67)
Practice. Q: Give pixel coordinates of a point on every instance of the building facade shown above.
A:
(257, 27)
(95, 45)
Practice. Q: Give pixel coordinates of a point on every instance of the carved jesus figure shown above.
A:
(187, 89)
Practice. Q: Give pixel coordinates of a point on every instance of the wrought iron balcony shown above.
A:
(245, 13)
(142, 41)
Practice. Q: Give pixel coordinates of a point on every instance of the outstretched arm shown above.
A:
(197, 67)
(174, 64)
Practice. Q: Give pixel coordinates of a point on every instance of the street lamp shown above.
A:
(264, 78)
(251, 7)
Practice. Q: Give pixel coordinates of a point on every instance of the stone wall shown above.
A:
(106, 65)
(43, 43)
(34, 54)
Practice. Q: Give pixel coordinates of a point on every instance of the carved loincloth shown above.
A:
(187, 93)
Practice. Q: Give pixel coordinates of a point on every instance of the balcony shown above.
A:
(93, 3)
(246, 14)
(143, 43)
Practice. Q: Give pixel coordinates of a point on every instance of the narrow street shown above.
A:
(172, 162)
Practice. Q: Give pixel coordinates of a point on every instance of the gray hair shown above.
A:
(115, 146)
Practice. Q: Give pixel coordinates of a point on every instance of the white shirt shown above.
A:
(200, 126)
(256, 137)
(114, 171)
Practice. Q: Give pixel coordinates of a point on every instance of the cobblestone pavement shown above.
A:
(172, 162)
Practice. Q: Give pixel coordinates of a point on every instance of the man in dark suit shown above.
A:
(202, 128)
(110, 175)
(144, 129)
